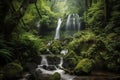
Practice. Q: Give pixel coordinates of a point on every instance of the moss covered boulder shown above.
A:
(55, 76)
(12, 70)
(84, 66)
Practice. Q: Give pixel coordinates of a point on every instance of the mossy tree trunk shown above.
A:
(9, 23)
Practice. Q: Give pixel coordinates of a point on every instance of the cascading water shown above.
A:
(72, 24)
(78, 21)
(68, 25)
(44, 61)
(57, 34)
(61, 62)
(57, 69)
(68, 22)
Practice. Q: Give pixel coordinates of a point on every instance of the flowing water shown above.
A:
(57, 69)
(57, 34)
(73, 24)
(44, 60)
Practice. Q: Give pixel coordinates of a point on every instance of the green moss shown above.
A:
(55, 76)
(55, 47)
(83, 42)
(12, 70)
(84, 65)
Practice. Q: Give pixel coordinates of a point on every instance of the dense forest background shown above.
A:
(26, 27)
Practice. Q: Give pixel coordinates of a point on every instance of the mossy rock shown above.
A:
(12, 70)
(84, 66)
(71, 60)
(55, 76)
(55, 47)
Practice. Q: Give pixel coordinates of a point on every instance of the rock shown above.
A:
(30, 67)
(55, 76)
(51, 67)
(53, 60)
(37, 60)
(40, 76)
(84, 66)
(12, 70)
(44, 67)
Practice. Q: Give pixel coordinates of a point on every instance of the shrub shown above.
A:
(85, 65)
(12, 70)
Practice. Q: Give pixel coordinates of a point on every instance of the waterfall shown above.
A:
(44, 60)
(72, 24)
(78, 21)
(57, 34)
(68, 22)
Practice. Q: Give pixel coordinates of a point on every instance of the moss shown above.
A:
(55, 76)
(82, 42)
(12, 70)
(55, 47)
(84, 65)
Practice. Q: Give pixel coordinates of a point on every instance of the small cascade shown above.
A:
(57, 34)
(45, 71)
(61, 62)
(44, 61)
(64, 52)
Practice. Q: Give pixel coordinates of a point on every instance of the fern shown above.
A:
(5, 55)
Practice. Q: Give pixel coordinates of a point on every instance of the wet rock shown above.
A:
(53, 60)
(37, 60)
(51, 67)
(68, 64)
(44, 67)
(30, 67)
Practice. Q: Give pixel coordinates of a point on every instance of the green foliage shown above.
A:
(84, 65)
(72, 59)
(95, 16)
(30, 14)
(16, 4)
(55, 47)
(55, 76)
(5, 55)
(29, 44)
(82, 42)
(12, 70)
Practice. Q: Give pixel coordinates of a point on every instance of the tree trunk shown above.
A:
(106, 10)
(38, 11)
(86, 7)
(94, 1)
(90, 1)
